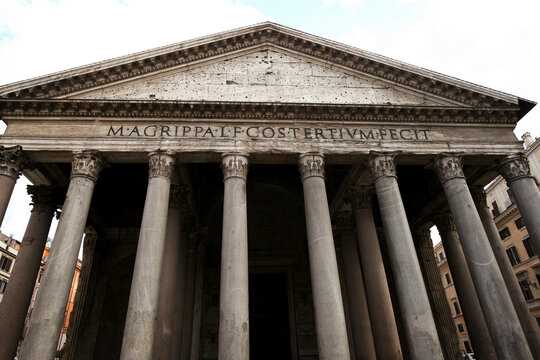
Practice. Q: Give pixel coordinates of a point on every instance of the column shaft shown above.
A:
(432, 278)
(364, 347)
(197, 304)
(527, 321)
(506, 332)
(18, 294)
(168, 340)
(329, 315)
(141, 317)
(12, 160)
(417, 317)
(472, 311)
(381, 313)
(49, 310)
(233, 297)
(517, 173)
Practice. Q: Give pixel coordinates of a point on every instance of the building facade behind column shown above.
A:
(9, 248)
(212, 172)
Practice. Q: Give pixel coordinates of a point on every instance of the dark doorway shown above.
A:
(269, 334)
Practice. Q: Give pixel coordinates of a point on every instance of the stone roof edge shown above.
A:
(122, 60)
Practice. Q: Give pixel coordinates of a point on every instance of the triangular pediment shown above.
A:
(263, 75)
(264, 63)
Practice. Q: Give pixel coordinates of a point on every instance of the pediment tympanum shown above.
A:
(266, 75)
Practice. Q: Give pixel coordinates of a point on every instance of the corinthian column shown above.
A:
(527, 321)
(506, 332)
(474, 317)
(418, 319)
(18, 295)
(141, 317)
(381, 313)
(233, 293)
(168, 340)
(12, 160)
(49, 310)
(515, 170)
(329, 316)
(364, 347)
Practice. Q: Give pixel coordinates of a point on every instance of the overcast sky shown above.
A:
(493, 43)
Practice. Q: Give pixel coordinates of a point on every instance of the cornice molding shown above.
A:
(106, 73)
(253, 110)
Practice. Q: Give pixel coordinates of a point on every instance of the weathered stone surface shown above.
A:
(262, 76)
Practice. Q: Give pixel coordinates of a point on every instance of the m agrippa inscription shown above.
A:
(268, 132)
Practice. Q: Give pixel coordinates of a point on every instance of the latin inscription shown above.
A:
(269, 132)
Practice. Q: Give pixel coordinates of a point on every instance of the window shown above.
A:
(510, 196)
(5, 263)
(461, 328)
(441, 256)
(3, 284)
(467, 346)
(513, 255)
(525, 285)
(504, 233)
(448, 278)
(519, 223)
(495, 209)
(456, 306)
(528, 247)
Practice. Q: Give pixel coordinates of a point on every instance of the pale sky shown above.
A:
(493, 43)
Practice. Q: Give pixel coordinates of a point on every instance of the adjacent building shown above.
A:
(9, 248)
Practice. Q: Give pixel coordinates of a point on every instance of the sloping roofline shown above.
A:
(109, 71)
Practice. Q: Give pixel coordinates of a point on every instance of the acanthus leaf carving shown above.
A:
(311, 164)
(515, 167)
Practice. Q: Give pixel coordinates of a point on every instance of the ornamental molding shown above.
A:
(87, 164)
(361, 197)
(171, 109)
(161, 164)
(445, 222)
(449, 166)
(344, 221)
(514, 167)
(311, 164)
(234, 165)
(257, 36)
(382, 164)
(12, 161)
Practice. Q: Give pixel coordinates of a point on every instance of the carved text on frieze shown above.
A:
(269, 132)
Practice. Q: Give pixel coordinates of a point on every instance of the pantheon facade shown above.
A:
(262, 193)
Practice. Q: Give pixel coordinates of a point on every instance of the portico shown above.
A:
(271, 134)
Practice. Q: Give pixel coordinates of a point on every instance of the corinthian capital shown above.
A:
(178, 196)
(479, 195)
(234, 165)
(43, 196)
(161, 163)
(514, 167)
(12, 161)
(448, 166)
(311, 164)
(88, 164)
(361, 197)
(445, 222)
(382, 164)
(344, 221)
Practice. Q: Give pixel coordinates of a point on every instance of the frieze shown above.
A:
(514, 167)
(271, 35)
(448, 166)
(311, 165)
(161, 163)
(88, 164)
(382, 164)
(234, 165)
